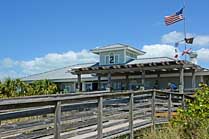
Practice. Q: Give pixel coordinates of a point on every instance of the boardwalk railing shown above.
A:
(90, 115)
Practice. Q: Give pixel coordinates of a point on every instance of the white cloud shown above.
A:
(159, 50)
(8, 63)
(203, 54)
(50, 61)
(201, 40)
(55, 60)
(172, 37)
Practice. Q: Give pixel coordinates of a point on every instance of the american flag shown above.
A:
(178, 16)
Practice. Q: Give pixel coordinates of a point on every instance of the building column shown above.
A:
(181, 86)
(201, 79)
(158, 80)
(109, 83)
(127, 83)
(193, 78)
(99, 82)
(79, 82)
(143, 78)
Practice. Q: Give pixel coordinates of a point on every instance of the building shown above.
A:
(121, 67)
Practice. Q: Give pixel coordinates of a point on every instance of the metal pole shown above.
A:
(100, 118)
(185, 46)
(131, 117)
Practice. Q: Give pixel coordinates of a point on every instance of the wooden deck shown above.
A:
(86, 116)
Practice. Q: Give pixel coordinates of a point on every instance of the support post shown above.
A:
(99, 82)
(0, 126)
(127, 82)
(143, 78)
(131, 116)
(109, 82)
(79, 83)
(153, 110)
(100, 118)
(181, 86)
(169, 105)
(57, 121)
(183, 101)
(201, 79)
(157, 83)
(193, 78)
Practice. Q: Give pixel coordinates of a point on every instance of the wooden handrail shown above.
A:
(39, 105)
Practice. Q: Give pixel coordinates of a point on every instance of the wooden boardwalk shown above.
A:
(86, 115)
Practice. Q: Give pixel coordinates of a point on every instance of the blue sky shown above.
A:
(36, 31)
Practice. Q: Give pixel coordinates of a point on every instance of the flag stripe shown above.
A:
(178, 16)
(173, 19)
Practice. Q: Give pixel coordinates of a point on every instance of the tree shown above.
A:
(14, 88)
(44, 87)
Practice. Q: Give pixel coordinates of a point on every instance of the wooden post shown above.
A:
(57, 121)
(0, 126)
(127, 82)
(193, 78)
(99, 82)
(158, 79)
(181, 86)
(183, 101)
(131, 116)
(169, 105)
(100, 118)
(201, 79)
(79, 83)
(143, 78)
(109, 82)
(153, 109)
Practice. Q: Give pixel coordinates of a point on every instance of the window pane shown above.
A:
(116, 59)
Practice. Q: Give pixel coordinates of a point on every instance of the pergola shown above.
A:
(142, 69)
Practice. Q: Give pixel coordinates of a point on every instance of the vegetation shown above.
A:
(190, 123)
(15, 88)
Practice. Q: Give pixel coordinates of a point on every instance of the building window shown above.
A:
(112, 58)
(116, 59)
(107, 59)
(88, 87)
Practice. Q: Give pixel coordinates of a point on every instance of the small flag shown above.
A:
(189, 40)
(178, 16)
(176, 56)
(187, 51)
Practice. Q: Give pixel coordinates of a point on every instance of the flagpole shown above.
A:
(185, 46)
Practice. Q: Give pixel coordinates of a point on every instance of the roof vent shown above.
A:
(193, 57)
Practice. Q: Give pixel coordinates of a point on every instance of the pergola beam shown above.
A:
(106, 70)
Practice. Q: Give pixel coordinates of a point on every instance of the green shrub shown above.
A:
(195, 117)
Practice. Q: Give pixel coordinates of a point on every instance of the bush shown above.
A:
(195, 118)
(190, 123)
